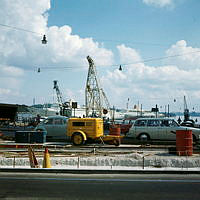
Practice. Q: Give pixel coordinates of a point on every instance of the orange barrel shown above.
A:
(184, 146)
(115, 129)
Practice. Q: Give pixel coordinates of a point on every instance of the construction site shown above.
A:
(93, 139)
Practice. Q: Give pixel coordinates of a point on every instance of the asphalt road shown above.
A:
(111, 187)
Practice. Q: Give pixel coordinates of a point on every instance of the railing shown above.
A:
(138, 160)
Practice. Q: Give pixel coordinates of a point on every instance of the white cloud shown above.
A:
(23, 50)
(189, 57)
(151, 85)
(159, 3)
(63, 46)
(10, 71)
(10, 81)
(128, 55)
(4, 91)
(69, 94)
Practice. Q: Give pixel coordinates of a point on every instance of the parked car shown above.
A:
(56, 127)
(125, 125)
(159, 129)
(190, 124)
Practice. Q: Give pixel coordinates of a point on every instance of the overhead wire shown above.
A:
(20, 29)
(132, 42)
(101, 39)
(160, 58)
(124, 64)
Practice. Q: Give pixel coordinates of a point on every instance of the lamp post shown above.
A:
(44, 40)
(168, 110)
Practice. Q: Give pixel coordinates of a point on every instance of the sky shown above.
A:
(156, 42)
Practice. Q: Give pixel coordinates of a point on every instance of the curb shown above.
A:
(86, 171)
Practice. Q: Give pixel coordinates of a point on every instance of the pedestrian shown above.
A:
(38, 119)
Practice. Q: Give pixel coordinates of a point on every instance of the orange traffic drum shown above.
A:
(184, 146)
(115, 130)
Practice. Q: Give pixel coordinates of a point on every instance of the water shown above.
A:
(195, 118)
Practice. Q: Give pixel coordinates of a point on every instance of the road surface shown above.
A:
(95, 187)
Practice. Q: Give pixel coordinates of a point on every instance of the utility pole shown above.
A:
(156, 110)
(127, 104)
(168, 110)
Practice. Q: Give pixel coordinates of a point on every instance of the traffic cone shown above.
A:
(46, 160)
(32, 158)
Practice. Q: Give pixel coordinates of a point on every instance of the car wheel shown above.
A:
(144, 137)
(77, 139)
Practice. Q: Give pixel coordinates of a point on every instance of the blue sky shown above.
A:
(111, 32)
(130, 22)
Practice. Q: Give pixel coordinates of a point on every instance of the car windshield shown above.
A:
(48, 121)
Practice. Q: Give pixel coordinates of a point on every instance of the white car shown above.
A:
(159, 129)
(55, 126)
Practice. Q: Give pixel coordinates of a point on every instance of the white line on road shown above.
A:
(102, 180)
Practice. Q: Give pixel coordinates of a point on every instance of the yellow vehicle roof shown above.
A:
(86, 119)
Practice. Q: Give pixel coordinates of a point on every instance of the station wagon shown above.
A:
(159, 129)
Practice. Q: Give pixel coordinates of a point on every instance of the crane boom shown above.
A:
(65, 108)
(58, 93)
(95, 99)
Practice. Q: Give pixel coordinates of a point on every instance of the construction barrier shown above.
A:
(30, 136)
(115, 130)
(184, 146)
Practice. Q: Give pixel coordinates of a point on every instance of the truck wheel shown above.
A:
(77, 139)
(117, 142)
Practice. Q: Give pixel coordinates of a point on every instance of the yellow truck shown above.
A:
(83, 129)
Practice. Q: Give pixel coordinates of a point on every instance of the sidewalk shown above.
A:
(131, 161)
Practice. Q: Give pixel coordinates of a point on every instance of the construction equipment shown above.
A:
(89, 129)
(65, 108)
(96, 102)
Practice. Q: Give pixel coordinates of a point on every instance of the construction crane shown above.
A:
(65, 109)
(96, 101)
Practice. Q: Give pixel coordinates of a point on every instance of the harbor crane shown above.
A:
(65, 109)
(96, 102)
